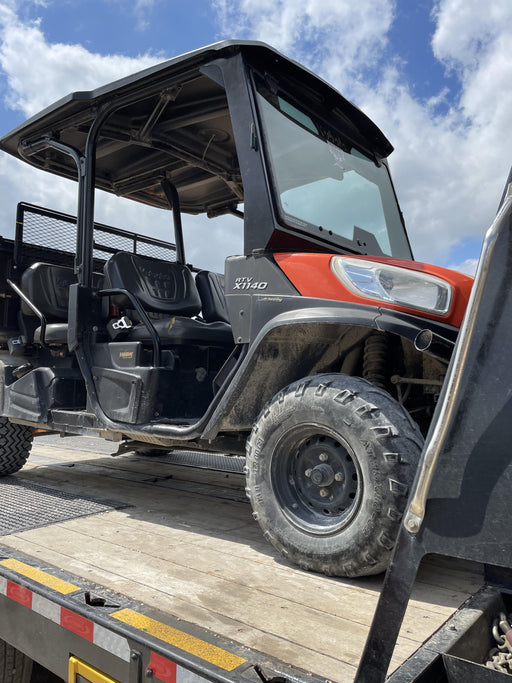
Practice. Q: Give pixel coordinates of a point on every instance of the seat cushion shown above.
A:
(179, 330)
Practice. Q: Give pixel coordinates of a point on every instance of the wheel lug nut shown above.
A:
(308, 472)
(324, 493)
(339, 476)
(323, 457)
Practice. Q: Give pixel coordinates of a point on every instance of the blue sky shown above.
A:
(434, 75)
(410, 39)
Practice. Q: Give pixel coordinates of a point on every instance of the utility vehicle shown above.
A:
(319, 353)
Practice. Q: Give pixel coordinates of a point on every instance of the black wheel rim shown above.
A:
(316, 479)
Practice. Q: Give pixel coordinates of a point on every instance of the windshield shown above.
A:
(325, 186)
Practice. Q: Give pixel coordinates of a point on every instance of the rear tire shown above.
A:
(329, 464)
(15, 445)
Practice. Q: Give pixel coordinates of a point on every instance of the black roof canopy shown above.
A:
(170, 120)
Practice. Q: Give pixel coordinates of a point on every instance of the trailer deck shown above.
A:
(185, 543)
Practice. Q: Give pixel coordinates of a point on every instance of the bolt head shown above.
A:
(412, 526)
(324, 493)
(308, 472)
(339, 476)
(323, 457)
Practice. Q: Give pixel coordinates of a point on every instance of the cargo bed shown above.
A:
(181, 539)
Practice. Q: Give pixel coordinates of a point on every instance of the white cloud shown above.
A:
(39, 73)
(468, 151)
(468, 266)
(338, 37)
(467, 30)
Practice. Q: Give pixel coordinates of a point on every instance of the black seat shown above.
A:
(47, 287)
(211, 290)
(159, 286)
(168, 288)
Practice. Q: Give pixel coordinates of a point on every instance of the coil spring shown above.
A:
(374, 359)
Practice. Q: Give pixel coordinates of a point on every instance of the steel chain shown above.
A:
(500, 656)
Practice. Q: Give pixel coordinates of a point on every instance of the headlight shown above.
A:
(399, 286)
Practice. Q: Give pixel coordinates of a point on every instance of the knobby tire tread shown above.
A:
(15, 445)
(395, 448)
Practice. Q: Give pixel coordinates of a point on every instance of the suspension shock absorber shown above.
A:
(375, 358)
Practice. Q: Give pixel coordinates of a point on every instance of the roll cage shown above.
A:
(184, 135)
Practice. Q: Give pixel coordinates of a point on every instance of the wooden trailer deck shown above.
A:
(188, 545)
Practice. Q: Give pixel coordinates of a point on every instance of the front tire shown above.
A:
(15, 445)
(329, 464)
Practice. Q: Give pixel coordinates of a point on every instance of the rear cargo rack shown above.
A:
(38, 230)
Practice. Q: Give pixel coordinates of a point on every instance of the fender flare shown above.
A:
(254, 383)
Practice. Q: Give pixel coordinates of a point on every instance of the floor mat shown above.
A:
(25, 505)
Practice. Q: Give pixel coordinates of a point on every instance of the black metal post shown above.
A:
(390, 610)
(172, 196)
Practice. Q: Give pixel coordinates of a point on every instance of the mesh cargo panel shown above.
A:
(50, 236)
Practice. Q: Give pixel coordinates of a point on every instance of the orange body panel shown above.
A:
(311, 274)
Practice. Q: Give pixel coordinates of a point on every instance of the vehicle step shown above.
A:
(67, 419)
(233, 464)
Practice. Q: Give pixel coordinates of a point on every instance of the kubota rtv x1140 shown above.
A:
(319, 353)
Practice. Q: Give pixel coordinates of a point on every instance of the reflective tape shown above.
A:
(85, 628)
(112, 642)
(19, 594)
(38, 575)
(160, 666)
(184, 641)
(46, 608)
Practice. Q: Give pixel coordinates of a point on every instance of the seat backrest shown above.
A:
(213, 299)
(47, 287)
(160, 286)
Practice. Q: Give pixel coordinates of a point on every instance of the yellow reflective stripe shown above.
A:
(194, 646)
(41, 577)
